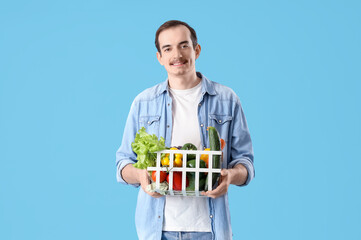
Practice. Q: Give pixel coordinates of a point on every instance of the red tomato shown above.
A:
(177, 181)
(163, 176)
(223, 143)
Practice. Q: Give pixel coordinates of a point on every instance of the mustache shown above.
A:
(178, 60)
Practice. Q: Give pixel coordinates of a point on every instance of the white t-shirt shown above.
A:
(187, 214)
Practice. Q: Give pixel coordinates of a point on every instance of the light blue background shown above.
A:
(69, 71)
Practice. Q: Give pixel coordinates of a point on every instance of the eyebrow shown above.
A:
(168, 45)
(183, 42)
(165, 46)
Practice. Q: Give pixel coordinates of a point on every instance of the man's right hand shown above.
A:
(144, 181)
(134, 175)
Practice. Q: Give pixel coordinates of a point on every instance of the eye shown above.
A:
(166, 50)
(185, 46)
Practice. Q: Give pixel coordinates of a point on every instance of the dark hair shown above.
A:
(174, 23)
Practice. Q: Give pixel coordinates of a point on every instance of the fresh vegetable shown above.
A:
(177, 181)
(191, 175)
(177, 154)
(163, 187)
(144, 146)
(178, 158)
(223, 143)
(162, 176)
(165, 161)
(192, 164)
(189, 146)
(215, 145)
(205, 157)
(192, 184)
(178, 162)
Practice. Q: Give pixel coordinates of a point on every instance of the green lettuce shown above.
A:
(144, 146)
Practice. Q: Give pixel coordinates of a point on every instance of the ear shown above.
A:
(159, 57)
(198, 50)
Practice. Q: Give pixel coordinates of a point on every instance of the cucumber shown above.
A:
(192, 184)
(189, 146)
(192, 175)
(214, 145)
(192, 164)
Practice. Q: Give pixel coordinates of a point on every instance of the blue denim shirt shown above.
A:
(220, 107)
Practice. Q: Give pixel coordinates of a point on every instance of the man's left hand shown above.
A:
(237, 176)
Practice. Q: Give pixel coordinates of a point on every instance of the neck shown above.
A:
(184, 82)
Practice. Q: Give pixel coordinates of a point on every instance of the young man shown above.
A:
(180, 110)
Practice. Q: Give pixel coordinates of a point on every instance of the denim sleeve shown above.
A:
(125, 154)
(241, 148)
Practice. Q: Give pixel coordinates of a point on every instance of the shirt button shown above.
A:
(167, 126)
(168, 104)
(158, 216)
(202, 125)
(148, 122)
(220, 121)
(211, 216)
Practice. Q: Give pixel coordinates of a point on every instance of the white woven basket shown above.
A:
(210, 170)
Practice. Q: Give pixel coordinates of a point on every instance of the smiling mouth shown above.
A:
(178, 63)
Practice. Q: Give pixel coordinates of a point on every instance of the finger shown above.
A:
(158, 195)
(155, 195)
(223, 176)
(152, 194)
(145, 181)
(144, 185)
(215, 194)
(219, 191)
(224, 172)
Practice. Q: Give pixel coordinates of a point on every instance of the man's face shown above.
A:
(177, 53)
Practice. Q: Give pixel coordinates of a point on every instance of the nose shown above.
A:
(177, 53)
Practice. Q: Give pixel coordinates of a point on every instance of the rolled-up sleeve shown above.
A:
(241, 147)
(125, 154)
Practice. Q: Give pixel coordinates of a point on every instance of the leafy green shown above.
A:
(144, 146)
(163, 187)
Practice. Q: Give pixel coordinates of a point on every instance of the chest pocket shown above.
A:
(220, 122)
(151, 123)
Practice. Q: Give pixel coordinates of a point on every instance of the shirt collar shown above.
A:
(207, 86)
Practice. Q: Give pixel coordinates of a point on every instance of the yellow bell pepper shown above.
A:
(177, 154)
(165, 161)
(178, 162)
(205, 157)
